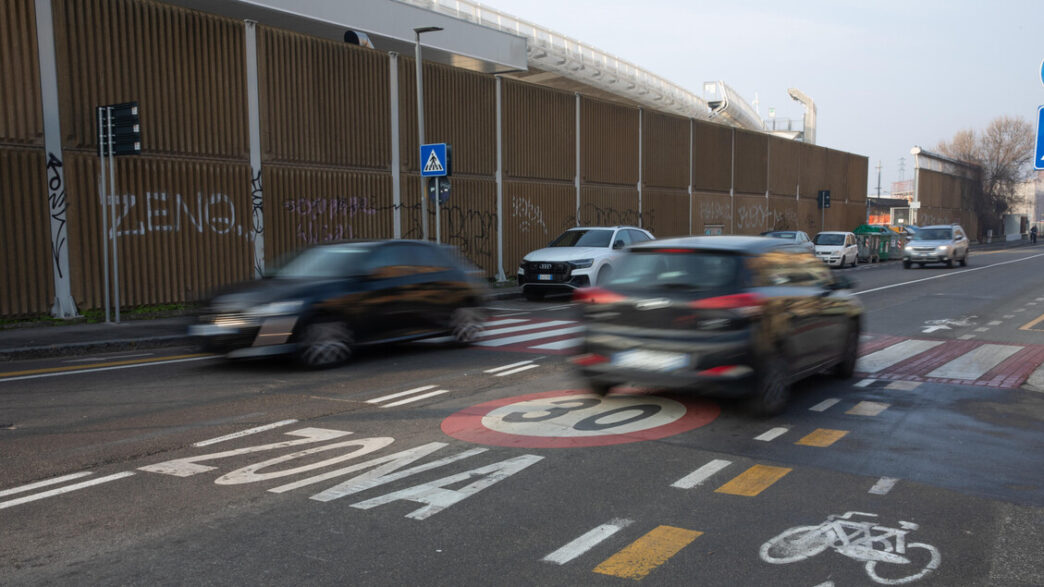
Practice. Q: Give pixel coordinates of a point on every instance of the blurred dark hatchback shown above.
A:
(330, 298)
(724, 315)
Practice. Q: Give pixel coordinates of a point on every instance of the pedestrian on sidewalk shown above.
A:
(1033, 235)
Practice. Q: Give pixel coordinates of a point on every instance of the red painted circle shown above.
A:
(467, 424)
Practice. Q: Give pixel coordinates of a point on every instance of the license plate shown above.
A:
(209, 330)
(544, 277)
(651, 360)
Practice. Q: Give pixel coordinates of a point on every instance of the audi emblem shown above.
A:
(545, 265)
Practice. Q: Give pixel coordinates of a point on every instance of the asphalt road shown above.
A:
(429, 465)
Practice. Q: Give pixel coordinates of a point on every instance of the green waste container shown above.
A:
(887, 245)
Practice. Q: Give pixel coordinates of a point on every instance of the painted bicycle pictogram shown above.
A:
(862, 540)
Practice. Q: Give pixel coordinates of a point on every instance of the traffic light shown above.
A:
(123, 123)
(824, 199)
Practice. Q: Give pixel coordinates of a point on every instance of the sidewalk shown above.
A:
(40, 340)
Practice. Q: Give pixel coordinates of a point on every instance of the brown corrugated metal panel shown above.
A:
(665, 213)
(712, 210)
(539, 132)
(608, 143)
(784, 166)
(459, 109)
(754, 214)
(21, 114)
(837, 175)
(309, 205)
(857, 176)
(751, 162)
(183, 228)
(186, 70)
(808, 216)
(469, 221)
(665, 150)
(609, 206)
(712, 157)
(322, 101)
(813, 170)
(783, 212)
(534, 214)
(26, 275)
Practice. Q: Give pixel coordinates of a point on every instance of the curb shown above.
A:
(83, 348)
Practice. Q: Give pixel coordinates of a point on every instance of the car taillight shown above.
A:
(588, 359)
(748, 304)
(596, 295)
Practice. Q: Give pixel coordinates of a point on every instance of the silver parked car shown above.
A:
(943, 243)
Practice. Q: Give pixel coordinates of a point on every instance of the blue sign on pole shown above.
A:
(433, 160)
(1038, 159)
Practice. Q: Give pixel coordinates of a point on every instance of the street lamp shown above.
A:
(420, 124)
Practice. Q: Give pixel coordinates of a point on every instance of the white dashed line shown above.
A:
(867, 409)
(995, 322)
(883, 485)
(385, 398)
(519, 370)
(66, 489)
(824, 405)
(865, 383)
(982, 329)
(416, 398)
(586, 542)
(44, 483)
(506, 367)
(700, 475)
(772, 434)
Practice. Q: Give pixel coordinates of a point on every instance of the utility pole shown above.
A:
(878, 191)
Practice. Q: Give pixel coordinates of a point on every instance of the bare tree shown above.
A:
(1004, 151)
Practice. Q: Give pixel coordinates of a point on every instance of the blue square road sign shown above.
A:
(433, 160)
(1038, 159)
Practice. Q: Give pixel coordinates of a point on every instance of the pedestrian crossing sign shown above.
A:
(434, 160)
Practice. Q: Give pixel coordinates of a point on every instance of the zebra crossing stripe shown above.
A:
(522, 327)
(976, 363)
(531, 336)
(886, 357)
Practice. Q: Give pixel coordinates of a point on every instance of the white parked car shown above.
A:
(579, 257)
(836, 248)
(799, 237)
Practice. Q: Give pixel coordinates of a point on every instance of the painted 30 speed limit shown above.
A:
(573, 419)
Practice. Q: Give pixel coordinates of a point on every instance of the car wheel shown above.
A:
(906, 264)
(324, 343)
(604, 274)
(949, 262)
(771, 386)
(964, 259)
(468, 324)
(846, 367)
(533, 295)
(919, 265)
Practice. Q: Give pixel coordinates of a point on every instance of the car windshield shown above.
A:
(681, 269)
(777, 234)
(584, 238)
(933, 234)
(829, 239)
(337, 261)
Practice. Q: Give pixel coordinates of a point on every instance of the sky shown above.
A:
(885, 75)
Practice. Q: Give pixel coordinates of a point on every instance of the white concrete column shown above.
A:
(576, 179)
(640, 223)
(396, 163)
(257, 193)
(500, 182)
(64, 306)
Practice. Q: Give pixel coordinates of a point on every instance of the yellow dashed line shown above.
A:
(822, 437)
(753, 481)
(648, 552)
(1030, 325)
(98, 365)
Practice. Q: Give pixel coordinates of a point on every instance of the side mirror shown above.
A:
(618, 245)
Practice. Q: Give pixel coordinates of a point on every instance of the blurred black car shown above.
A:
(330, 298)
(725, 315)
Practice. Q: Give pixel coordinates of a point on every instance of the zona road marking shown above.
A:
(243, 433)
(586, 542)
(753, 481)
(648, 552)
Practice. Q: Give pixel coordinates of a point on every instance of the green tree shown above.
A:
(1004, 151)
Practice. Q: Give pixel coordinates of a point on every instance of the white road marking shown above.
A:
(966, 337)
(904, 385)
(976, 363)
(383, 398)
(982, 329)
(99, 369)
(586, 542)
(531, 336)
(948, 274)
(1040, 299)
(883, 485)
(44, 483)
(505, 367)
(108, 358)
(504, 322)
(700, 475)
(1031, 303)
(995, 322)
(772, 434)
(246, 432)
(522, 327)
(519, 370)
(867, 408)
(1036, 379)
(66, 489)
(559, 345)
(416, 398)
(1020, 310)
(824, 405)
(886, 357)
(865, 383)
(1009, 316)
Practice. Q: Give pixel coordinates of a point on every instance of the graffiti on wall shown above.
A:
(257, 202)
(214, 214)
(715, 211)
(529, 216)
(595, 215)
(320, 219)
(58, 208)
(759, 217)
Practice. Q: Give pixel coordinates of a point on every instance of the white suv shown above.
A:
(944, 243)
(579, 257)
(836, 248)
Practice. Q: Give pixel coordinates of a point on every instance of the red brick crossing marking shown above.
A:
(1008, 374)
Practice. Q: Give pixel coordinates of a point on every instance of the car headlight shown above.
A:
(582, 263)
(277, 308)
(909, 249)
(943, 249)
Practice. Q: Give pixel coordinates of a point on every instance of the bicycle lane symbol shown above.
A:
(861, 540)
